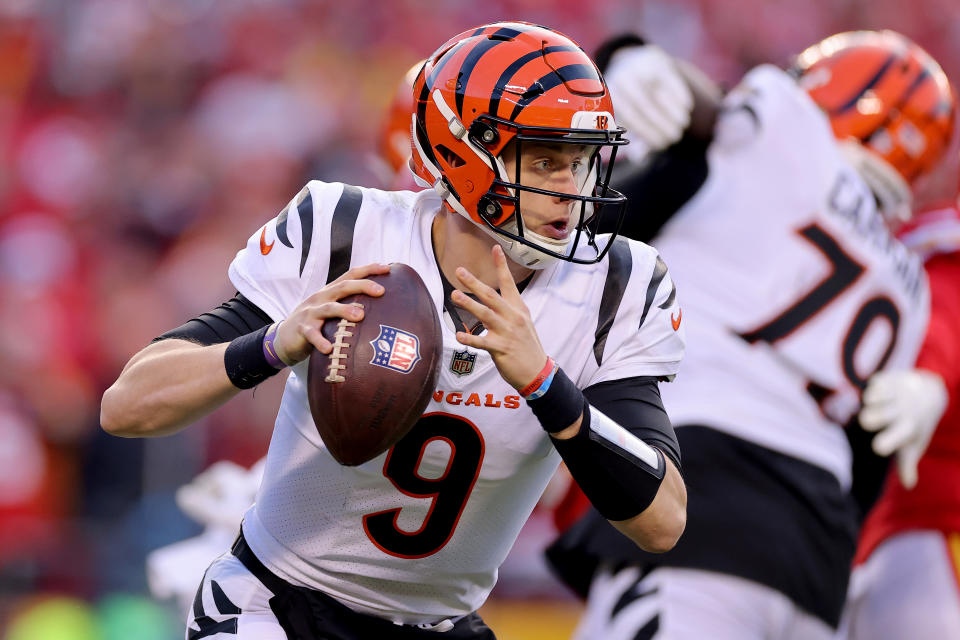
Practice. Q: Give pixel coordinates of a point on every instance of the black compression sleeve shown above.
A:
(619, 473)
(635, 404)
(234, 318)
(606, 50)
(657, 188)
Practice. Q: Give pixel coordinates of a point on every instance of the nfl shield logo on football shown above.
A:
(395, 349)
(462, 363)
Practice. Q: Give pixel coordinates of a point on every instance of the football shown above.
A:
(368, 392)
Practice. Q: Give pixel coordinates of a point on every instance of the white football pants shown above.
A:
(907, 590)
(689, 604)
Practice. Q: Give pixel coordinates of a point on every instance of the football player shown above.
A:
(565, 332)
(219, 496)
(908, 558)
(795, 293)
(391, 163)
(217, 499)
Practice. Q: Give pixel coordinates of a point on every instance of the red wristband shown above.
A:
(543, 375)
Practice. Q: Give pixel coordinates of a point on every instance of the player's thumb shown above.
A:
(907, 459)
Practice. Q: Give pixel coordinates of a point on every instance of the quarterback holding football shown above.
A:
(554, 340)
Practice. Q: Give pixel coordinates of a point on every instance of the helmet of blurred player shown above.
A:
(888, 101)
(394, 145)
(514, 82)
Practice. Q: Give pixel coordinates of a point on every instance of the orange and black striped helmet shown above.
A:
(505, 82)
(886, 93)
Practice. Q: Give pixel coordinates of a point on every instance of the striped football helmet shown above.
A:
(888, 101)
(514, 82)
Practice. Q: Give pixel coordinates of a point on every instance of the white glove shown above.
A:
(220, 495)
(651, 100)
(174, 571)
(904, 407)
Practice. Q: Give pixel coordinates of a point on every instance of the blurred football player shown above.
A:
(568, 333)
(795, 293)
(908, 559)
(392, 160)
(217, 499)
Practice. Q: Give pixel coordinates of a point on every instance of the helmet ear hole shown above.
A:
(451, 158)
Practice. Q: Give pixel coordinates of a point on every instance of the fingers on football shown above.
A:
(363, 271)
(311, 334)
(340, 289)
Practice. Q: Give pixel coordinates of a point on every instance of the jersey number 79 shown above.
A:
(845, 272)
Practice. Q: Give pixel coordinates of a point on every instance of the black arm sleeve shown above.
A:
(606, 50)
(657, 188)
(662, 184)
(234, 318)
(635, 404)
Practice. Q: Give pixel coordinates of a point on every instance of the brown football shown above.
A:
(375, 384)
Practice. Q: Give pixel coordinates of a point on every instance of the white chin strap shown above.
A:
(526, 255)
(891, 190)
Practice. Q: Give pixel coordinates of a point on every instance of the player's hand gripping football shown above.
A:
(510, 339)
(299, 333)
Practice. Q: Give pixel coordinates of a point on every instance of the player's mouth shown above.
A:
(557, 230)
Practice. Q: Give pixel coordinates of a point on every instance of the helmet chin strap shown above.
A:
(529, 256)
(523, 254)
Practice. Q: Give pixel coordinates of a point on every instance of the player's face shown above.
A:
(554, 167)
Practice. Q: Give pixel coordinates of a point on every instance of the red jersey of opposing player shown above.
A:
(935, 502)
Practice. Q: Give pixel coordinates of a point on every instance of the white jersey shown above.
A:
(418, 533)
(794, 290)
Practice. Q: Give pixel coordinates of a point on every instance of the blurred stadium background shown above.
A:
(141, 143)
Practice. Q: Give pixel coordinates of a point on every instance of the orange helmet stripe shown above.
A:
(871, 83)
(499, 36)
(563, 75)
(512, 70)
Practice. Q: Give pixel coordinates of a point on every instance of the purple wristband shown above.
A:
(269, 352)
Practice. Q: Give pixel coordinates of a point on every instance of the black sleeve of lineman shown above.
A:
(234, 318)
(605, 51)
(663, 183)
(635, 404)
(658, 187)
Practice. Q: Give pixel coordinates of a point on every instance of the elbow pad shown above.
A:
(617, 471)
